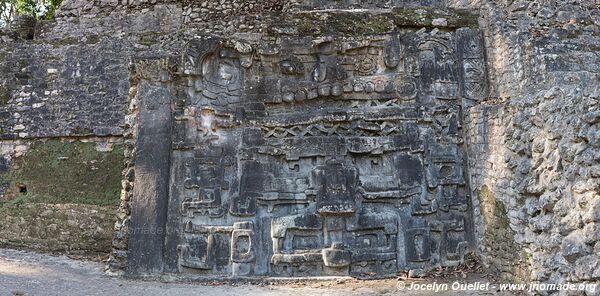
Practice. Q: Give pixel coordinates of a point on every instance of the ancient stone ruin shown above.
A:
(291, 155)
(319, 138)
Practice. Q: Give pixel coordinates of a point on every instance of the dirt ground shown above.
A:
(27, 273)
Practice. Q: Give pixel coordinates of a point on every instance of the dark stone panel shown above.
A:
(150, 196)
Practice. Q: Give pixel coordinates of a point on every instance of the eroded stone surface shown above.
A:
(534, 145)
(308, 156)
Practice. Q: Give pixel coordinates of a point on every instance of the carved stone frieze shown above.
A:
(306, 156)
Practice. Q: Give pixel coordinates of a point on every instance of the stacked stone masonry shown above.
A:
(514, 114)
(532, 146)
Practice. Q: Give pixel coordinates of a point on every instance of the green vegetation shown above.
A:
(149, 38)
(39, 9)
(64, 41)
(510, 261)
(4, 95)
(92, 39)
(64, 172)
(493, 210)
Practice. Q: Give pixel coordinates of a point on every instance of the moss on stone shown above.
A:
(65, 172)
(507, 258)
(149, 38)
(4, 95)
(64, 41)
(593, 47)
(92, 39)
(493, 210)
(74, 228)
(369, 23)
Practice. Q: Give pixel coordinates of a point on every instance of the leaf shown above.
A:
(39, 9)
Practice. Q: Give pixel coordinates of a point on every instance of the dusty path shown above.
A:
(26, 273)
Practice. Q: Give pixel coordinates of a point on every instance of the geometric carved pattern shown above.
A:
(302, 156)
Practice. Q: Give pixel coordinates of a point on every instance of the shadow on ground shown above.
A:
(27, 273)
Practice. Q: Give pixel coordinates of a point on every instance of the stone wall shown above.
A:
(59, 194)
(64, 93)
(62, 104)
(65, 228)
(533, 148)
(159, 71)
(71, 81)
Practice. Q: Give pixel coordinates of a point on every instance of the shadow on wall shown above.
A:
(508, 260)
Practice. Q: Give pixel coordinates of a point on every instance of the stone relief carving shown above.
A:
(321, 156)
